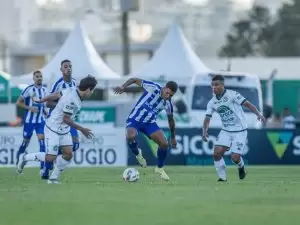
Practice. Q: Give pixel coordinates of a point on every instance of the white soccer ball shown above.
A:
(131, 175)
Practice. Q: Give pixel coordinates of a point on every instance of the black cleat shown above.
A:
(242, 173)
(222, 180)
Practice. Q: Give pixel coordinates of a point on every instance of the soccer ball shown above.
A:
(131, 175)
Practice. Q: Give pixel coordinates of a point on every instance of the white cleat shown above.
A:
(163, 175)
(53, 181)
(141, 159)
(21, 163)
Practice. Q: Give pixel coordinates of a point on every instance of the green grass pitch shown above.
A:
(98, 196)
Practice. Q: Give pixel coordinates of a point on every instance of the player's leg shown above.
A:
(62, 160)
(27, 134)
(132, 128)
(237, 149)
(222, 145)
(158, 136)
(51, 144)
(75, 139)
(39, 130)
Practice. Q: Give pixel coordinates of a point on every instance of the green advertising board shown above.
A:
(97, 115)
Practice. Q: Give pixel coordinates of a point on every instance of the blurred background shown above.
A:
(255, 44)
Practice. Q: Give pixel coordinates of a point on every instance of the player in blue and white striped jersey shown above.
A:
(143, 118)
(34, 116)
(65, 82)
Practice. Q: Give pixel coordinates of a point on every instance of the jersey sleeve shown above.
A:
(56, 87)
(238, 98)
(169, 108)
(26, 93)
(209, 109)
(69, 107)
(150, 86)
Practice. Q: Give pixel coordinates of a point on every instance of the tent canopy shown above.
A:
(173, 60)
(85, 60)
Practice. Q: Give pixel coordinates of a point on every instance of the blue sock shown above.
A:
(75, 146)
(161, 157)
(133, 145)
(22, 148)
(42, 149)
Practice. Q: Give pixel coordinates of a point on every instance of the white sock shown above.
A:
(221, 168)
(241, 163)
(60, 165)
(37, 156)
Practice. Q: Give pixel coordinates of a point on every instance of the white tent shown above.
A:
(173, 60)
(85, 60)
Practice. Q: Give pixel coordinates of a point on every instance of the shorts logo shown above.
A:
(279, 141)
(239, 146)
(55, 148)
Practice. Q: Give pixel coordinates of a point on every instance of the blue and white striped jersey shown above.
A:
(150, 104)
(61, 85)
(27, 94)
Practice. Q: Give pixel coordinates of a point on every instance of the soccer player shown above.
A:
(228, 104)
(143, 118)
(34, 116)
(57, 129)
(65, 82)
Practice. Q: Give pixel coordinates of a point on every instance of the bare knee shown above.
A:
(131, 134)
(219, 152)
(235, 158)
(50, 158)
(67, 154)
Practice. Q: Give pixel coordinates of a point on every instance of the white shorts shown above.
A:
(54, 140)
(235, 141)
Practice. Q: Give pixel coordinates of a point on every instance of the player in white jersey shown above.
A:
(65, 82)
(228, 104)
(57, 129)
(143, 118)
(35, 113)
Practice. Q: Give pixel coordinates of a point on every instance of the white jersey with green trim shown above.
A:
(230, 109)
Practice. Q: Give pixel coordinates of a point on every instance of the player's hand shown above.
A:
(87, 133)
(173, 142)
(119, 90)
(205, 137)
(261, 118)
(33, 109)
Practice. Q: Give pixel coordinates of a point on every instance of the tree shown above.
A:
(260, 35)
(243, 40)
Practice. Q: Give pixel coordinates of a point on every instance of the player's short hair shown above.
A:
(172, 85)
(88, 82)
(64, 61)
(218, 78)
(37, 71)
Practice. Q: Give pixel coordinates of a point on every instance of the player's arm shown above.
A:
(171, 121)
(51, 97)
(51, 103)
(239, 99)
(68, 111)
(21, 103)
(253, 109)
(205, 126)
(130, 81)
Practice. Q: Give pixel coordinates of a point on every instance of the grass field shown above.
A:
(98, 196)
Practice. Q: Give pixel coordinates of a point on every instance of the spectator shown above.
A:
(274, 121)
(288, 121)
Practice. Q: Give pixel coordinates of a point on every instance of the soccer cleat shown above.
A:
(162, 173)
(21, 163)
(222, 180)
(53, 181)
(141, 159)
(242, 173)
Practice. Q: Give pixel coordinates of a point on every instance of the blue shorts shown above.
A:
(30, 127)
(74, 132)
(146, 128)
